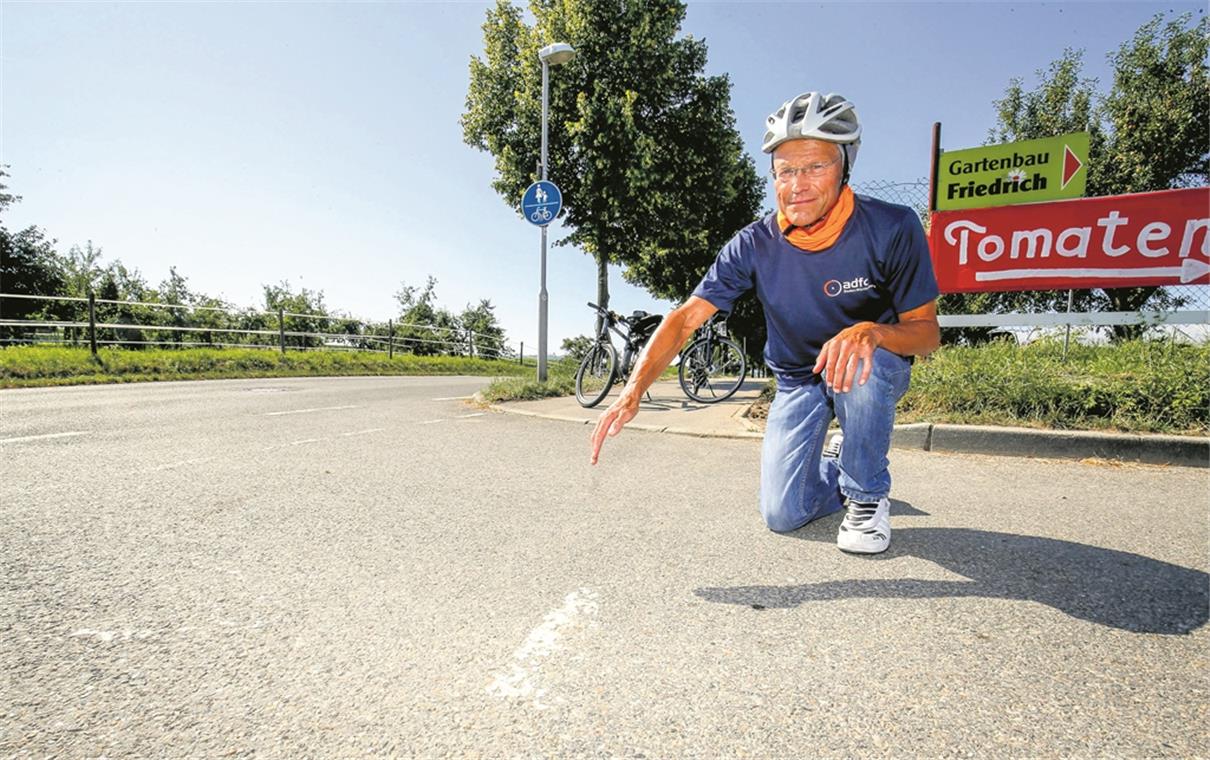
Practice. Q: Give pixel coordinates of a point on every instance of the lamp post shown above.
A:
(551, 55)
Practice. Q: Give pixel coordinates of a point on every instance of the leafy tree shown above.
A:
(227, 319)
(577, 347)
(642, 143)
(1159, 109)
(1150, 132)
(29, 265)
(306, 312)
(82, 270)
(484, 332)
(117, 283)
(6, 198)
(424, 327)
(174, 290)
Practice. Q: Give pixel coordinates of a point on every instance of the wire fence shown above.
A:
(1179, 310)
(96, 322)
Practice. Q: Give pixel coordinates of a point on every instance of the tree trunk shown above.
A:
(602, 286)
(1127, 299)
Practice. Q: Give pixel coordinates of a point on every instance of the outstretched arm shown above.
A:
(663, 347)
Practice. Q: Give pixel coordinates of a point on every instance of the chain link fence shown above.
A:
(915, 195)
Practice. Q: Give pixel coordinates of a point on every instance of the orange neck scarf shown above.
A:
(823, 233)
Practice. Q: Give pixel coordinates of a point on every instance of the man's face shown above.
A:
(804, 199)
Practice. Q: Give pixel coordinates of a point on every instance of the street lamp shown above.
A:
(551, 55)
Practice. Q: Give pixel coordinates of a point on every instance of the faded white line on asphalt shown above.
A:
(453, 398)
(307, 440)
(521, 681)
(108, 636)
(181, 463)
(44, 437)
(431, 422)
(476, 414)
(362, 432)
(304, 411)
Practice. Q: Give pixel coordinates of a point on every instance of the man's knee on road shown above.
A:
(782, 521)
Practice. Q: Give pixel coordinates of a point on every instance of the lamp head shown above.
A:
(556, 53)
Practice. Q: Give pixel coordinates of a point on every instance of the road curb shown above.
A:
(1070, 444)
(1183, 451)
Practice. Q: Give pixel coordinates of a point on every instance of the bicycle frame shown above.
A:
(630, 350)
(708, 332)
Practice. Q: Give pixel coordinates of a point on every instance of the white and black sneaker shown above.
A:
(866, 528)
(832, 450)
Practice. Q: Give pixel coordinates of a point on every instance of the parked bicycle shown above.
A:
(601, 367)
(713, 366)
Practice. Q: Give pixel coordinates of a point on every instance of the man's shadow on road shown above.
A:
(1104, 586)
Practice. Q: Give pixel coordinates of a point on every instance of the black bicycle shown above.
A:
(600, 368)
(713, 366)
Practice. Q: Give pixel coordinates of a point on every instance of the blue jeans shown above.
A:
(796, 484)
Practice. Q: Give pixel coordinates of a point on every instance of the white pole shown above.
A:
(542, 296)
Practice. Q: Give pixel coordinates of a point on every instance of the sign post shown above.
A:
(540, 204)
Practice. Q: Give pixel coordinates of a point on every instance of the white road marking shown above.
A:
(108, 636)
(44, 437)
(520, 681)
(304, 411)
(431, 422)
(453, 398)
(307, 440)
(172, 465)
(476, 414)
(362, 432)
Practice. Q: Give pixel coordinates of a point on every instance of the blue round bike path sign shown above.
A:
(541, 203)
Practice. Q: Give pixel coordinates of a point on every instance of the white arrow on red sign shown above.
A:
(1071, 165)
(1188, 271)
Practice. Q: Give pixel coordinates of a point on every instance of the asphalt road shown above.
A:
(367, 566)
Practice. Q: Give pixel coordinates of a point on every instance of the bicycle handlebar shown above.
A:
(608, 314)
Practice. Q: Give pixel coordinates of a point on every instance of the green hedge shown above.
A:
(1144, 386)
(22, 366)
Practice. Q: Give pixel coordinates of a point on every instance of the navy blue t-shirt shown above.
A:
(876, 270)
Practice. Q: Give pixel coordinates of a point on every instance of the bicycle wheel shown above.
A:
(710, 376)
(596, 375)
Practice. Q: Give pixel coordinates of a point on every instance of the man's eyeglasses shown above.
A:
(812, 171)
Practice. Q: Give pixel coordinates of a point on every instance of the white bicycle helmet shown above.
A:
(821, 117)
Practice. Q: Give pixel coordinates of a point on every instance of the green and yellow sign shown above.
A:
(1050, 169)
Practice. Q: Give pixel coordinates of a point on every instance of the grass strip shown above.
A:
(30, 366)
(1134, 386)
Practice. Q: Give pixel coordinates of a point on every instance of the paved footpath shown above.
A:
(667, 409)
(368, 566)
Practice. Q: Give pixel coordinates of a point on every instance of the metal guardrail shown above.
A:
(400, 336)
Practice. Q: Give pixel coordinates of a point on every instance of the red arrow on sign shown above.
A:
(1071, 165)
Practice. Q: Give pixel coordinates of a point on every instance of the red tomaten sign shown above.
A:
(1160, 238)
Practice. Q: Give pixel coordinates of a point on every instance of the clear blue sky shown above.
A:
(247, 143)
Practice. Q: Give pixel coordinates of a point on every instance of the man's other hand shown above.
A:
(611, 421)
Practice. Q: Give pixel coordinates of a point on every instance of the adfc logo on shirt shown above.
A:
(833, 288)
